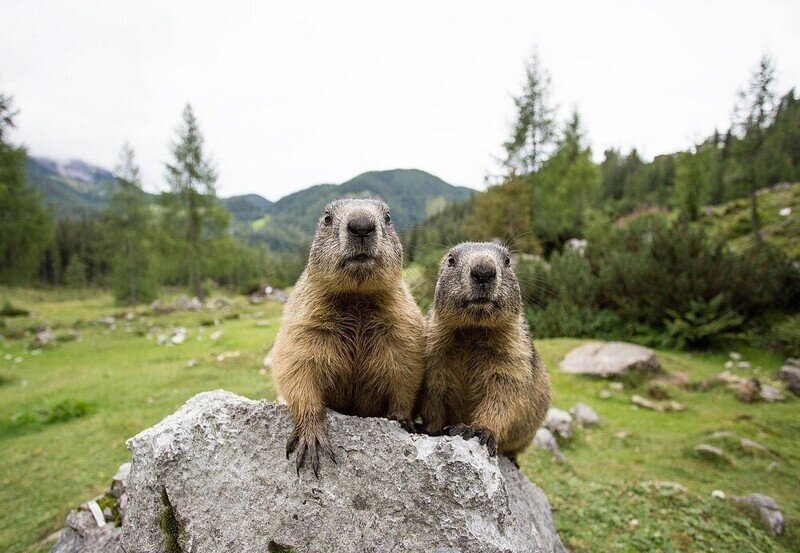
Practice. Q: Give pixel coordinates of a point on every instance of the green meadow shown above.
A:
(66, 411)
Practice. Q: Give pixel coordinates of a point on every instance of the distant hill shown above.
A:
(75, 189)
(246, 207)
(71, 189)
(413, 196)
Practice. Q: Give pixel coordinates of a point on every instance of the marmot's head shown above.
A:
(355, 246)
(477, 286)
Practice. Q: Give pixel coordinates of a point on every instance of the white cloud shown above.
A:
(297, 93)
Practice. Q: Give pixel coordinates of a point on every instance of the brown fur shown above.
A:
(483, 376)
(351, 338)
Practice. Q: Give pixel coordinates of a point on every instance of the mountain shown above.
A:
(71, 188)
(413, 196)
(246, 207)
(76, 188)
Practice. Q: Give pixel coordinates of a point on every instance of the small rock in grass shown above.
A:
(559, 422)
(711, 453)
(791, 375)
(178, 335)
(191, 363)
(660, 406)
(544, 439)
(721, 435)
(216, 335)
(617, 386)
(222, 357)
(772, 466)
(735, 356)
(754, 448)
(622, 434)
(718, 494)
(771, 393)
(585, 415)
(262, 323)
(793, 362)
(633, 523)
(743, 365)
(749, 390)
(43, 339)
(665, 485)
(768, 510)
(604, 394)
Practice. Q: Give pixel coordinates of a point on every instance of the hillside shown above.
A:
(413, 195)
(779, 208)
(246, 207)
(71, 189)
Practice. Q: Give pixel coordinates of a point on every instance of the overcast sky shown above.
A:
(291, 94)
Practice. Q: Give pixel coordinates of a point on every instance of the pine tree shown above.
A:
(128, 216)
(25, 227)
(192, 201)
(754, 114)
(533, 133)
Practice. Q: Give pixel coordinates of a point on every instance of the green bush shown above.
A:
(788, 333)
(9, 310)
(704, 323)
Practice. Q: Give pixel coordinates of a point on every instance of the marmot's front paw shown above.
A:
(484, 435)
(406, 422)
(309, 443)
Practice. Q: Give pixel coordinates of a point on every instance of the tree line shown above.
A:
(650, 267)
(137, 244)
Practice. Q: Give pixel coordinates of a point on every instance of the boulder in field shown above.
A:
(213, 477)
(585, 415)
(559, 422)
(791, 375)
(711, 453)
(544, 439)
(767, 509)
(609, 359)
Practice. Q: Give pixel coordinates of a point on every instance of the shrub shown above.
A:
(9, 310)
(704, 323)
(788, 333)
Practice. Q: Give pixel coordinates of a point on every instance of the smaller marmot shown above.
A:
(483, 376)
(351, 336)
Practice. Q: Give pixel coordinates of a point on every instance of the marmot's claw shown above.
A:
(484, 435)
(291, 443)
(405, 422)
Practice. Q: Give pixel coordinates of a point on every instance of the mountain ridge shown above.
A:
(75, 189)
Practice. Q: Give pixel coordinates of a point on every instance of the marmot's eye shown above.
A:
(451, 260)
(508, 261)
(328, 219)
(388, 219)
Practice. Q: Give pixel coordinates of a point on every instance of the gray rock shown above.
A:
(217, 470)
(584, 415)
(753, 447)
(82, 535)
(711, 453)
(544, 439)
(559, 422)
(120, 482)
(609, 359)
(771, 393)
(791, 375)
(43, 338)
(767, 509)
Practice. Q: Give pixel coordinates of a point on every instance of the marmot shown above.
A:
(351, 337)
(483, 376)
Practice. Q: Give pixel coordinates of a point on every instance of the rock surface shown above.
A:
(544, 439)
(767, 509)
(585, 415)
(711, 453)
(791, 375)
(214, 474)
(609, 359)
(559, 422)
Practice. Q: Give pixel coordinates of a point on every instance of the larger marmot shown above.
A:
(483, 377)
(351, 337)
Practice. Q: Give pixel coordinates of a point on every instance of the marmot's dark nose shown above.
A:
(483, 273)
(361, 226)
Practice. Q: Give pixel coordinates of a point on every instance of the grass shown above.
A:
(66, 411)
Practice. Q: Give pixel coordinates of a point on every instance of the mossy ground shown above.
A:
(112, 383)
